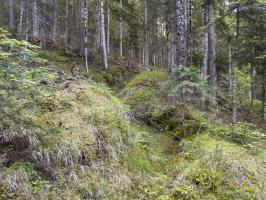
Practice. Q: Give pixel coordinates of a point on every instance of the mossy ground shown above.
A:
(87, 145)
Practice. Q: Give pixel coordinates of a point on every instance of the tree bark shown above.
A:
(103, 36)
(234, 76)
(35, 19)
(204, 69)
(66, 34)
(264, 96)
(253, 86)
(146, 45)
(108, 27)
(21, 17)
(27, 24)
(181, 34)
(11, 16)
(230, 68)
(171, 58)
(85, 32)
(212, 54)
(121, 31)
(43, 27)
(54, 33)
(205, 44)
(97, 23)
(190, 34)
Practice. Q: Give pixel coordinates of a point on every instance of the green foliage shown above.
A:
(65, 105)
(22, 83)
(141, 96)
(243, 81)
(21, 177)
(12, 50)
(148, 78)
(187, 85)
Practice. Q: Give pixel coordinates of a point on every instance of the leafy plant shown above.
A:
(187, 86)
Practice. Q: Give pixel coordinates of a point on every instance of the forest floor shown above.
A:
(138, 149)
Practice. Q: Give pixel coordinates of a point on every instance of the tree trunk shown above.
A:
(66, 34)
(54, 33)
(121, 31)
(108, 27)
(43, 30)
(204, 70)
(103, 36)
(190, 36)
(21, 17)
(11, 16)
(212, 55)
(253, 86)
(27, 24)
(97, 23)
(35, 19)
(234, 98)
(234, 77)
(181, 34)
(146, 47)
(85, 32)
(171, 42)
(205, 44)
(264, 94)
(230, 68)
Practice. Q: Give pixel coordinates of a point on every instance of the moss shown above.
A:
(65, 104)
(140, 96)
(24, 167)
(148, 78)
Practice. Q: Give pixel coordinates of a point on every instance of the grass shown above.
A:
(84, 135)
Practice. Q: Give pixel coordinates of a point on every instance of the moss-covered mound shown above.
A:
(202, 167)
(79, 132)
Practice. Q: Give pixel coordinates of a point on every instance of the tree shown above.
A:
(11, 16)
(85, 32)
(181, 33)
(35, 19)
(121, 30)
(54, 31)
(97, 26)
(66, 34)
(103, 36)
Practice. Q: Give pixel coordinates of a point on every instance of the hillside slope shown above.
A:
(86, 141)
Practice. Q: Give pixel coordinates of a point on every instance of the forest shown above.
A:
(133, 99)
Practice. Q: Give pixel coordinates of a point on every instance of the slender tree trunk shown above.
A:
(205, 44)
(212, 54)
(66, 34)
(234, 76)
(97, 22)
(21, 17)
(108, 27)
(146, 47)
(181, 33)
(85, 32)
(43, 30)
(230, 68)
(121, 31)
(190, 36)
(234, 98)
(103, 36)
(171, 42)
(27, 24)
(54, 33)
(264, 96)
(204, 69)
(11, 16)
(253, 86)
(35, 19)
